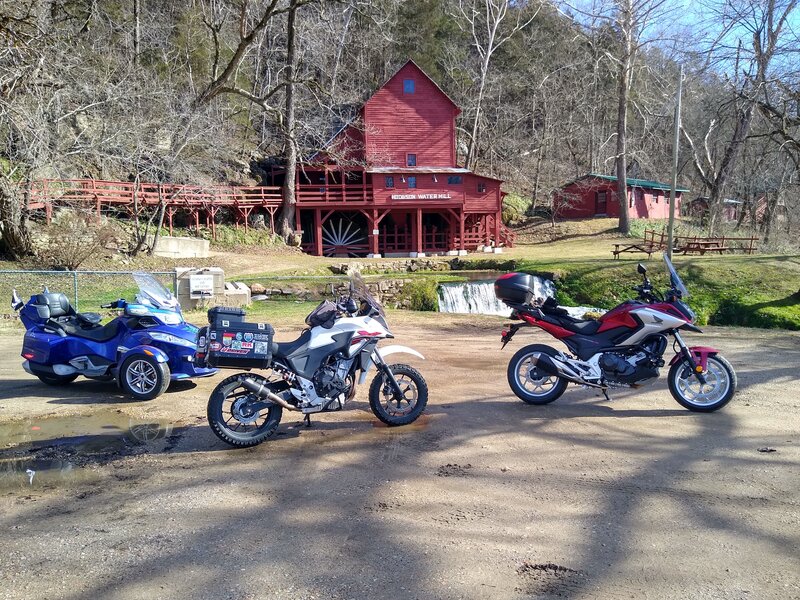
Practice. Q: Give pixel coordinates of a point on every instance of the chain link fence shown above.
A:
(86, 290)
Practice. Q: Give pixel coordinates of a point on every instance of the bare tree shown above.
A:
(764, 23)
(491, 26)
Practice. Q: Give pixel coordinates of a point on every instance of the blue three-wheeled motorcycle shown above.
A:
(144, 348)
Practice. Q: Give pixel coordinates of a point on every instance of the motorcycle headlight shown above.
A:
(170, 318)
(168, 338)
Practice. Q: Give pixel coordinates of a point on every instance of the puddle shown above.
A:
(53, 450)
(25, 473)
(422, 422)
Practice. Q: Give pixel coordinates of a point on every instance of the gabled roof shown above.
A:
(428, 77)
(385, 83)
(640, 183)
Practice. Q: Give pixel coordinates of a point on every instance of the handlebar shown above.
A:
(106, 305)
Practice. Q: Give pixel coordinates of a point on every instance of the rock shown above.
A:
(257, 288)
(259, 297)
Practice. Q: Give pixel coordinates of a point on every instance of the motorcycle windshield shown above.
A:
(359, 289)
(674, 279)
(152, 293)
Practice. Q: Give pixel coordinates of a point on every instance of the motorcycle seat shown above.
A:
(89, 318)
(284, 349)
(99, 333)
(584, 327)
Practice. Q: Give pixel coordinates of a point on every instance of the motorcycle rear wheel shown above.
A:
(230, 419)
(530, 384)
(714, 394)
(395, 412)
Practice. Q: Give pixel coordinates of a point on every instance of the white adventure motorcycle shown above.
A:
(315, 373)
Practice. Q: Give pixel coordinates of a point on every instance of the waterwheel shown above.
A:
(344, 236)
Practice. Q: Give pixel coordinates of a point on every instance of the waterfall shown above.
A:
(477, 297)
(471, 297)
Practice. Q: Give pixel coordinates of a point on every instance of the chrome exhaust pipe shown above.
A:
(559, 369)
(261, 390)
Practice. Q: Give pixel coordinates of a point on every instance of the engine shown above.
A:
(635, 365)
(330, 380)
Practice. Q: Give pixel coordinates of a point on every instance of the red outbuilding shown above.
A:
(388, 183)
(595, 195)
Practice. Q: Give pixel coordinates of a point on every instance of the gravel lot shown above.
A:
(483, 497)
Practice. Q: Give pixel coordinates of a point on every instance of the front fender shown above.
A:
(145, 350)
(396, 348)
(384, 352)
(700, 354)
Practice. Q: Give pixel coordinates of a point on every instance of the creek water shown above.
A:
(477, 297)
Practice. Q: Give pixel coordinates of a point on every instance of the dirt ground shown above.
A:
(483, 498)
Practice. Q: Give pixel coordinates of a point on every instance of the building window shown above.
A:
(454, 180)
(411, 160)
(412, 181)
(408, 86)
(481, 188)
(655, 197)
(389, 181)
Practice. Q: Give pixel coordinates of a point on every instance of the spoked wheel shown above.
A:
(232, 418)
(399, 411)
(714, 394)
(143, 377)
(531, 384)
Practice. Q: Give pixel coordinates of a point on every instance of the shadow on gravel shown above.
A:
(316, 513)
(78, 392)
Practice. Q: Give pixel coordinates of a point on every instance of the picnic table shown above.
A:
(645, 247)
(703, 246)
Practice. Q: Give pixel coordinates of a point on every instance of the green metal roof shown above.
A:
(641, 183)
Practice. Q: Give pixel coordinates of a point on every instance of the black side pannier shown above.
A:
(233, 344)
(514, 288)
(226, 313)
(323, 316)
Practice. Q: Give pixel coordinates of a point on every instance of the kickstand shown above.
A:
(307, 420)
(605, 393)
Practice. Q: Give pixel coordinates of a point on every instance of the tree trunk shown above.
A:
(626, 25)
(729, 160)
(287, 217)
(622, 163)
(15, 238)
(137, 32)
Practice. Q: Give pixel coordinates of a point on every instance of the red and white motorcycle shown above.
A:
(624, 348)
(315, 373)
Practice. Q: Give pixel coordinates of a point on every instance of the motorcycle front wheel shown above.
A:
(233, 421)
(399, 411)
(708, 397)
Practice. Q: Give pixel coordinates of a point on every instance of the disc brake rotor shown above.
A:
(242, 413)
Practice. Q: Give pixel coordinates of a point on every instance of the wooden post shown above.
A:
(317, 232)
(418, 231)
(461, 231)
(373, 238)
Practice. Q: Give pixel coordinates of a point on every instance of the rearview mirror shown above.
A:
(641, 269)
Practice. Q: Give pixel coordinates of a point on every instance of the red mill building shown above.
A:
(408, 196)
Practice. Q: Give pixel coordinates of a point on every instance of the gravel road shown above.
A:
(483, 498)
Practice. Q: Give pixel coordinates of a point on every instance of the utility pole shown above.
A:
(671, 226)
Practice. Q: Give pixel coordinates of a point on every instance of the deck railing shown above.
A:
(100, 194)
